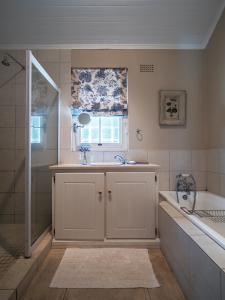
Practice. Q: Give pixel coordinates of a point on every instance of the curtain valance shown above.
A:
(99, 91)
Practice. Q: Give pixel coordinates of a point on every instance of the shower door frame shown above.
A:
(30, 61)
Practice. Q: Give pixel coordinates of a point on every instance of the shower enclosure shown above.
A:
(42, 115)
(29, 110)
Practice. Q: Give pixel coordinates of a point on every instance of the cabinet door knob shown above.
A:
(110, 195)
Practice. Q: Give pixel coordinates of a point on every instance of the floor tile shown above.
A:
(169, 289)
(39, 287)
(105, 294)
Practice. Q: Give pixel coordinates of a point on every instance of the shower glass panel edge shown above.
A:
(31, 64)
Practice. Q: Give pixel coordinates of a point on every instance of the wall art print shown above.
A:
(99, 91)
(172, 107)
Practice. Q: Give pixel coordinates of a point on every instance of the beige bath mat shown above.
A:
(105, 268)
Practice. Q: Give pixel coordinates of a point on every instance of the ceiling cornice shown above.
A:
(213, 26)
(105, 46)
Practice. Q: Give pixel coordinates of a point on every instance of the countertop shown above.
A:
(105, 167)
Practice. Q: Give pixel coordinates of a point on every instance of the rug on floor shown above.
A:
(105, 268)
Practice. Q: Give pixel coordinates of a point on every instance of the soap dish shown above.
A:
(131, 162)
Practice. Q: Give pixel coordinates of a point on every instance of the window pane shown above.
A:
(106, 121)
(94, 122)
(36, 130)
(116, 135)
(109, 128)
(106, 135)
(90, 133)
(95, 135)
(116, 122)
(84, 135)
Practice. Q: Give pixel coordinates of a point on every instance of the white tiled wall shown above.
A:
(12, 141)
(172, 163)
(216, 171)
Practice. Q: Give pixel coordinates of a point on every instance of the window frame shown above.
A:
(122, 146)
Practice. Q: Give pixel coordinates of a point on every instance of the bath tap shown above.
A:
(188, 188)
(186, 183)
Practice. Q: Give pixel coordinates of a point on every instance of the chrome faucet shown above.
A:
(121, 159)
(186, 183)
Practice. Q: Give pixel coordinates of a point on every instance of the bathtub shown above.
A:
(204, 201)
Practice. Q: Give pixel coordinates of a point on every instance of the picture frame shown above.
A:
(172, 107)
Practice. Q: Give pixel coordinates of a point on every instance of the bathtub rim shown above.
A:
(210, 232)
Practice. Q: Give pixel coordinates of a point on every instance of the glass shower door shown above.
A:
(42, 149)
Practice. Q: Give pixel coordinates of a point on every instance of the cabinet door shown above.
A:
(79, 206)
(131, 205)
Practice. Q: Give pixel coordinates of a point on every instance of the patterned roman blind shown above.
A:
(99, 91)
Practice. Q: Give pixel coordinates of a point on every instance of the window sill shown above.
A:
(104, 149)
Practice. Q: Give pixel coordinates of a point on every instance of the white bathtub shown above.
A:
(205, 201)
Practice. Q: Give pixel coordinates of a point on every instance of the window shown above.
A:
(101, 92)
(104, 133)
(35, 129)
(102, 130)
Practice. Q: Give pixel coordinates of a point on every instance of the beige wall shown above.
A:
(175, 149)
(215, 86)
(173, 70)
(214, 61)
(178, 149)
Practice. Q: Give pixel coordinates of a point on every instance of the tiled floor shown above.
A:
(6, 261)
(39, 286)
(11, 245)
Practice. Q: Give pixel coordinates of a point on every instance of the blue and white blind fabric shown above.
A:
(99, 91)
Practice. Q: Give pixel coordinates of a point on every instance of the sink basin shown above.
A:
(106, 163)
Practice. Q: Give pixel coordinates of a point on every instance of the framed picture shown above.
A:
(172, 107)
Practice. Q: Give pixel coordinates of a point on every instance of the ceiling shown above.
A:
(137, 24)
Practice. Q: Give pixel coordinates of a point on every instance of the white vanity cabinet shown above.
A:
(79, 206)
(104, 204)
(130, 205)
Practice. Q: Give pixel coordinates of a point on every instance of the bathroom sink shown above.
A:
(106, 163)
